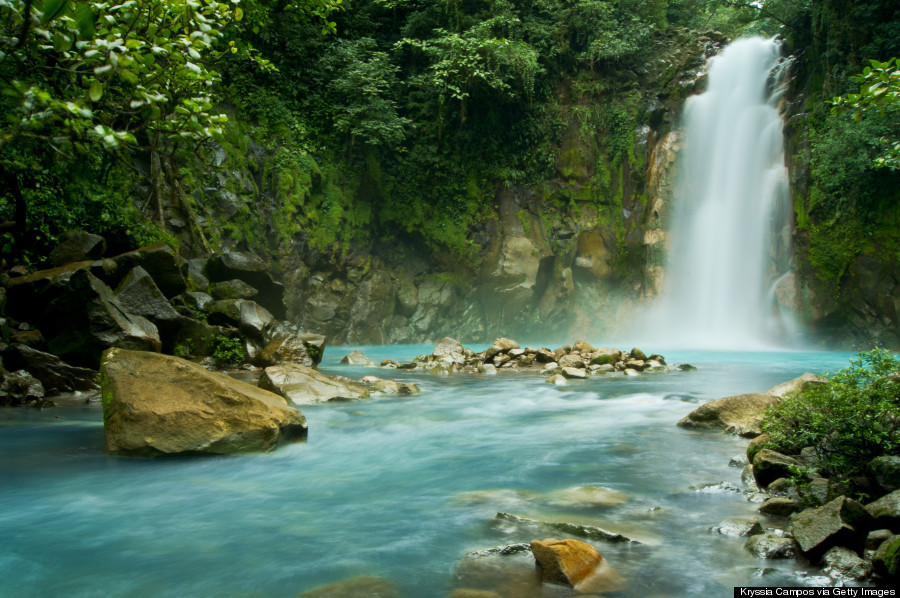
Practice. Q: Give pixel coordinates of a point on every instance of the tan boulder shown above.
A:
(157, 404)
(575, 564)
(305, 386)
(798, 383)
(739, 414)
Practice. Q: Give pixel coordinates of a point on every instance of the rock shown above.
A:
(738, 461)
(363, 586)
(842, 521)
(575, 564)
(885, 470)
(357, 358)
(769, 465)
(876, 537)
(489, 370)
(844, 564)
(55, 375)
(195, 338)
(160, 261)
(194, 272)
(20, 388)
(556, 380)
(582, 530)
(77, 246)
(286, 349)
(543, 356)
(685, 367)
(582, 347)
(408, 389)
(797, 383)
(756, 445)
(784, 488)
(738, 528)
(772, 546)
(195, 300)
(470, 593)
(448, 346)
(574, 373)
(631, 372)
(886, 560)
(302, 385)
(571, 361)
(587, 496)
(232, 289)
(779, 506)
(139, 295)
(501, 359)
(161, 405)
(886, 511)
(33, 338)
(251, 269)
(254, 320)
(739, 414)
(500, 567)
(605, 356)
(636, 365)
(638, 354)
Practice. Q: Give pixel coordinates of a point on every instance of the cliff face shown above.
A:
(572, 255)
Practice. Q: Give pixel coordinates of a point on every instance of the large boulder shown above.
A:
(842, 521)
(161, 405)
(288, 348)
(357, 358)
(55, 375)
(305, 386)
(842, 563)
(739, 414)
(575, 564)
(251, 269)
(886, 511)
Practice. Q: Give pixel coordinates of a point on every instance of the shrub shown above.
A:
(228, 350)
(848, 422)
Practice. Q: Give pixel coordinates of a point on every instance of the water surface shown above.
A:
(400, 488)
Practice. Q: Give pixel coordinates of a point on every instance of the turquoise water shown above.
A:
(400, 488)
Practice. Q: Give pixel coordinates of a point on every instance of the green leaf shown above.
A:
(52, 9)
(96, 91)
(128, 76)
(238, 13)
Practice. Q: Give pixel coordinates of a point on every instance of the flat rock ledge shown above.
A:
(157, 405)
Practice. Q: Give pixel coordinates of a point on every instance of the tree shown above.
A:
(120, 77)
(879, 95)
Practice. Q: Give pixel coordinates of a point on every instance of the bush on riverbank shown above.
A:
(847, 422)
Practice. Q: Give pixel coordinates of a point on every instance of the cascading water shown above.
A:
(732, 188)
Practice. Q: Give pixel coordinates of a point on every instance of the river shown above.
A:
(399, 488)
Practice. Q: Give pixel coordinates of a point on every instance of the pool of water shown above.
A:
(400, 488)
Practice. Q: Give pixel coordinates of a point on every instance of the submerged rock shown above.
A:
(575, 564)
(738, 528)
(581, 530)
(363, 586)
(161, 405)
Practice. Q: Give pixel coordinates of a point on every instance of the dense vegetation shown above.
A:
(375, 120)
(847, 422)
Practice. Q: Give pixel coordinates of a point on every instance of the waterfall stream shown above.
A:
(731, 198)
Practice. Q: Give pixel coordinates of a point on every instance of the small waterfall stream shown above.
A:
(732, 189)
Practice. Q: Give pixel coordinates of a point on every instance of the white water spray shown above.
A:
(732, 183)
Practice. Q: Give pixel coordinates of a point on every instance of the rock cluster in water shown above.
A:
(852, 541)
(577, 361)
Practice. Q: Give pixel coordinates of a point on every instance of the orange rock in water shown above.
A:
(576, 564)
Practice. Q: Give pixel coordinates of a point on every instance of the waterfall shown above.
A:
(730, 200)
